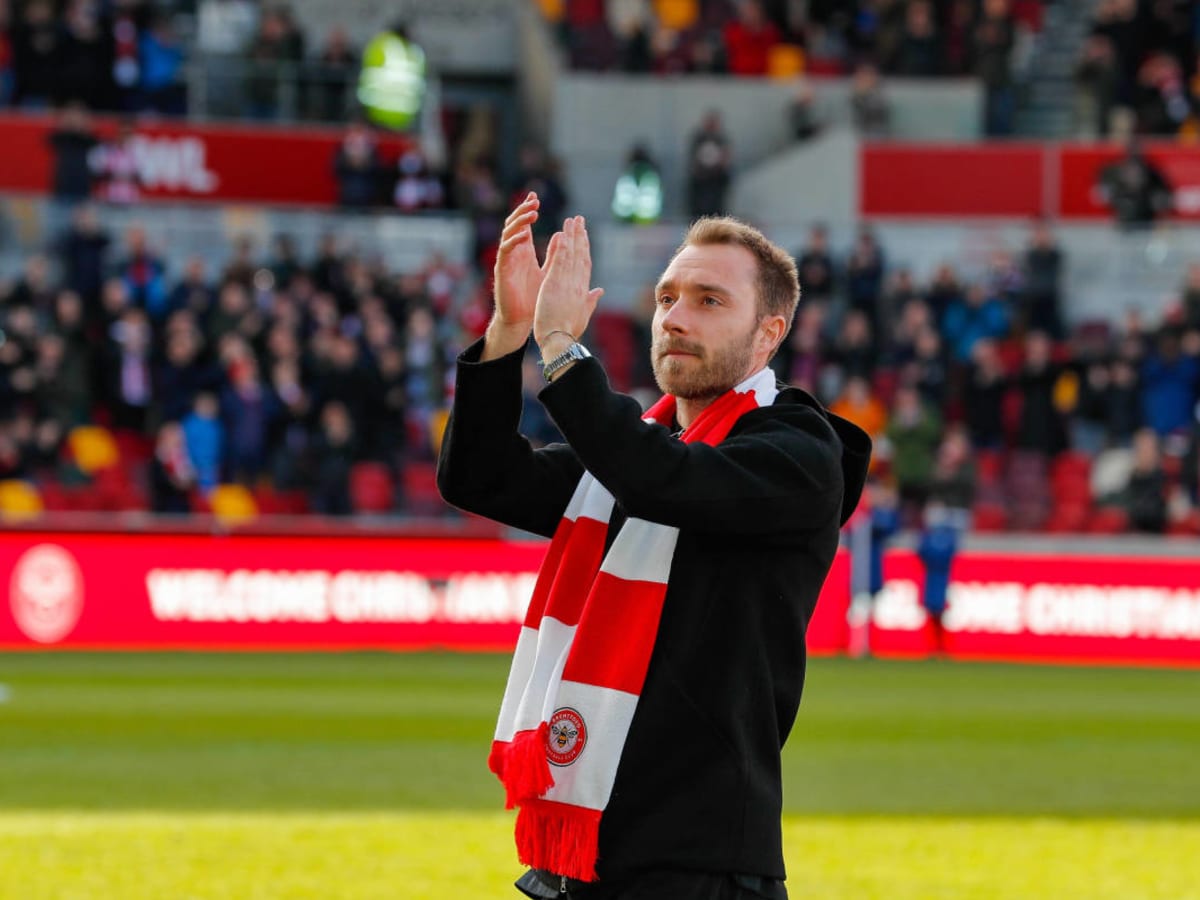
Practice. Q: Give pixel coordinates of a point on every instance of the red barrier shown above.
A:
(1009, 180)
(110, 591)
(196, 161)
(1054, 608)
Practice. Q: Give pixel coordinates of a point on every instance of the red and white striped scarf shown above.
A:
(582, 656)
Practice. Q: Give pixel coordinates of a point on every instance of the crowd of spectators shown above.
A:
(276, 372)
(910, 38)
(129, 56)
(1137, 71)
(286, 375)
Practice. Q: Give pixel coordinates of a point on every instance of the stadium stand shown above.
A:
(303, 374)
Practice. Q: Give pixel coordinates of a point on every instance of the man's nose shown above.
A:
(674, 319)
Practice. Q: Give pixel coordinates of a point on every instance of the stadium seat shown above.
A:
(678, 15)
(371, 488)
(1108, 520)
(989, 517)
(19, 501)
(92, 448)
(421, 495)
(232, 503)
(785, 61)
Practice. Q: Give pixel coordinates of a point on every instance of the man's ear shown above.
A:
(770, 332)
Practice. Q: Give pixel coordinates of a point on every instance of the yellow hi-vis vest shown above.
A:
(391, 84)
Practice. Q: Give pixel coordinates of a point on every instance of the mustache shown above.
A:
(677, 346)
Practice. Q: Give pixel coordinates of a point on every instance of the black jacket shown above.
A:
(699, 785)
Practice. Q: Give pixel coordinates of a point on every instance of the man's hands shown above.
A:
(517, 281)
(552, 300)
(565, 302)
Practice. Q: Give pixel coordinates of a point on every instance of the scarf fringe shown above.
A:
(558, 838)
(521, 764)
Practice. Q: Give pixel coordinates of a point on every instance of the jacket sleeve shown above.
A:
(485, 466)
(778, 471)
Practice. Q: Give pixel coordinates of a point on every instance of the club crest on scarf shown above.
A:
(566, 738)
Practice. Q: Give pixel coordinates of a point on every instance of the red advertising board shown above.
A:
(951, 180)
(1048, 607)
(111, 591)
(196, 161)
(1009, 180)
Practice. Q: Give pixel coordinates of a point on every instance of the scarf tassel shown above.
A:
(559, 838)
(521, 764)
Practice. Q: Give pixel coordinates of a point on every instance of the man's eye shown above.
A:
(665, 300)
(712, 301)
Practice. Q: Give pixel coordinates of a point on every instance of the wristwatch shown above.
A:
(573, 353)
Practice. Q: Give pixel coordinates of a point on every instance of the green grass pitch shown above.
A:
(206, 776)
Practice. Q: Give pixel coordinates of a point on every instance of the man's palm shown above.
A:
(518, 280)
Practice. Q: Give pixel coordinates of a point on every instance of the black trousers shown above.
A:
(663, 884)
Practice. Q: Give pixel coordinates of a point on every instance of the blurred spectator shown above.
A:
(869, 106)
(994, 37)
(913, 433)
(116, 168)
(126, 21)
(709, 161)
(63, 392)
(193, 291)
(171, 474)
(638, 194)
(37, 54)
(247, 408)
(184, 372)
(1169, 380)
(854, 350)
(749, 39)
(1146, 497)
(85, 70)
(1089, 422)
(919, 53)
(204, 437)
(1097, 80)
(416, 187)
(803, 117)
(536, 424)
(358, 168)
(1189, 299)
(864, 273)
(72, 142)
(539, 173)
(333, 458)
(144, 273)
(1135, 189)
(860, 405)
(815, 267)
(953, 479)
(392, 82)
(34, 289)
(936, 548)
(1125, 409)
(1043, 273)
(1041, 427)
(983, 397)
(1161, 96)
(274, 57)
(330, 76)
(162, 54)
(85, 255)
(127, 354)
(976, 317)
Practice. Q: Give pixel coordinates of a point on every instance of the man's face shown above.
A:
(706, 331)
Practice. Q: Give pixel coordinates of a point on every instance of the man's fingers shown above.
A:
(511, 242)
(518, 223)
(552, 249)
(530, 202)
(594, 296)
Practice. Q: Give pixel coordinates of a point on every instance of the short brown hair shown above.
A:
(778, 281)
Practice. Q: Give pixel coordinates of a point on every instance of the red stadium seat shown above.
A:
(989, 517)
(421, 495)
(1108, 520)
(371, 488)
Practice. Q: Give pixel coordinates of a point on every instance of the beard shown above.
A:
(707, 374)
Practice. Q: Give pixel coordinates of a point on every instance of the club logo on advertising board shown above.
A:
(46, 593)
(567, 737)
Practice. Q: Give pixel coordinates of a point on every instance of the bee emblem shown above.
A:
(567, 737)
